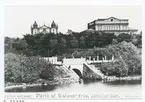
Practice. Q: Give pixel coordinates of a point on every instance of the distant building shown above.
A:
(111, 25)
(44, 29)
(69, 32)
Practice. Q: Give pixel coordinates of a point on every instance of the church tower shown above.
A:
(54, 28)
(34, 28)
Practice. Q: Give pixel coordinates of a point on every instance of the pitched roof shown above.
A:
(44, 26)
(111, 18)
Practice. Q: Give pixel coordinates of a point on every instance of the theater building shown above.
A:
(111, 25)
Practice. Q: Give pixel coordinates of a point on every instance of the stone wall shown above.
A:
(89, 74)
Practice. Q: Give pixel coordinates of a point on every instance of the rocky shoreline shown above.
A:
(61, 81)
(114, 78)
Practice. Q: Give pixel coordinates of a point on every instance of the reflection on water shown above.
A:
(85, 82)
(86, 86)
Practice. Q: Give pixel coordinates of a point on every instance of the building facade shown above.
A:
(111, 25)
(35, 29)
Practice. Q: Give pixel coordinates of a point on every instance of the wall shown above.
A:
(89, 74)
(73, 61)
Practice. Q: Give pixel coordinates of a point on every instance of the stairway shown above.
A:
(95, 70)
(71, 73)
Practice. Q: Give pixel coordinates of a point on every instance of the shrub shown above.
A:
(128, 60)
(19, 68)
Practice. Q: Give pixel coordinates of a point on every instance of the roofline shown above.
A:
(111, 17)
(45, 26)
(108, 18)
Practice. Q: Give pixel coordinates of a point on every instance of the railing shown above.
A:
(75, 61)
(98, 61)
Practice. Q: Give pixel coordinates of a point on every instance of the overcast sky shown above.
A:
(18, 19)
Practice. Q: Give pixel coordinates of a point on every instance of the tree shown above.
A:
(48, 72)
(9, 45)
(90, 40)
(74, 42)
(30, 39)
(11, 67)
(114, 69)
(129, 60)
(22, 69)
(82, 42)
(53, 43)
(53, 46)
(20, 45)
(61, 46)
(124, 37)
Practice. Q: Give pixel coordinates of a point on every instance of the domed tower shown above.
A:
(54, 28)
(34, 28)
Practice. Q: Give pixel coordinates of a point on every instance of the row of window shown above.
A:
(111, 27)
(35, 31)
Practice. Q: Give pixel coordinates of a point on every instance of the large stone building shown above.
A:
(111, 25)
(35, 29)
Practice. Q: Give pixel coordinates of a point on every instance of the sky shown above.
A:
(18, 19)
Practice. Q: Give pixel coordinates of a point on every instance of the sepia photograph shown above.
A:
(81, 49)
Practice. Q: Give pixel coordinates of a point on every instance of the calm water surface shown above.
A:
(86, 86)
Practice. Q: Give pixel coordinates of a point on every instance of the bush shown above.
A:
(19, 68)
(128, 60)
(48, 72)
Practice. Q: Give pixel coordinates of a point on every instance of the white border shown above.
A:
(72, 2)
(61, 2)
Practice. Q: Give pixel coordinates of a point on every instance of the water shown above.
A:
(86, 86)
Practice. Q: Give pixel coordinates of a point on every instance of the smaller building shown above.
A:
(35, 29)
(52, 60)
(69, 32)
(111, 25)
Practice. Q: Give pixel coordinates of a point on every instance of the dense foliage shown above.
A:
(128, 61)
(22, 63)
(61, 44)
(126, 54)
(22, 69)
